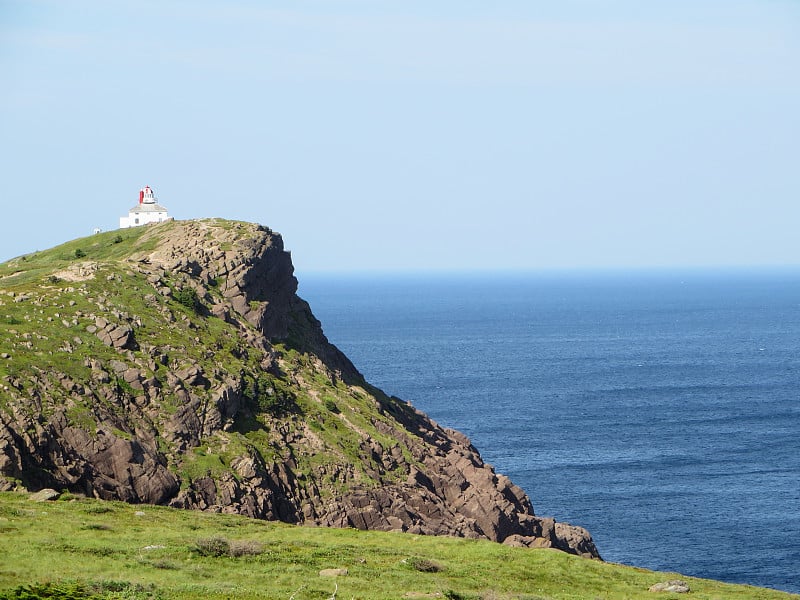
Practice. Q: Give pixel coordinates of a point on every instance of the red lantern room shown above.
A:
(146, 195)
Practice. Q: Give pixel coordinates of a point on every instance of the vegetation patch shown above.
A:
(160, 550)
(187, 297)
(220, 546)
(213, 546)
(97, 527)
(199, 463)
(246, 548)
(271, 395)
(425, 565)
(70, 590)
(81, 417)
(98, 509)
(51, 591)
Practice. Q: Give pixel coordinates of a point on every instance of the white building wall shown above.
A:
(144, 218)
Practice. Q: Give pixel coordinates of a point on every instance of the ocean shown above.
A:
(661, 411)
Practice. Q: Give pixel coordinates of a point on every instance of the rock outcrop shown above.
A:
(189, 373)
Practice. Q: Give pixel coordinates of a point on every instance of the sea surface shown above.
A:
(661, 411)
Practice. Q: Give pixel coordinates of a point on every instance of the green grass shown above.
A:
(99, 247)
(104, 546)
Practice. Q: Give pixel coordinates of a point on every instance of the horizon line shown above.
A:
(556, 271)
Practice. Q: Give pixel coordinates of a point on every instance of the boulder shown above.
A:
(44, 495)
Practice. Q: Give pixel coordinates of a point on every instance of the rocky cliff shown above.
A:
(175, 364)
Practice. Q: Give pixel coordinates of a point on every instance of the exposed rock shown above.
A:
(676, 586)
(78, 272)
(333, 572)
(571, 538)
(192, 375)
(44, 495)
(117, 336)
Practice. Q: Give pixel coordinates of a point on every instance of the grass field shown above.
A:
(77, 547)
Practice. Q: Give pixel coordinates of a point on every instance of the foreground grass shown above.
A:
(138, 553)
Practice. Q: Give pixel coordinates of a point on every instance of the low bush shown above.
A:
(50, 591)
(220, 546)
(246, 548)
(188, 298)
(214, 546)
(425, 565)
(271, 395)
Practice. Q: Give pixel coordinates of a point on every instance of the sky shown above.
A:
(413, 135)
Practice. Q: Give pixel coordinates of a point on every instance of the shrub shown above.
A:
(246, 548)
(188, 298)
(117, 239)
(215, 546)
(331, 406)
(52, 591)
(125, 590)
(425, 565)
(454, 595)
(271, 396)
(79, 253)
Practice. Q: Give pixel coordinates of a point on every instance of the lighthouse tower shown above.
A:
(147, 211)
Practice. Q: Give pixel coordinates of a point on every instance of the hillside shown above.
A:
(75, 547)
(175, 365)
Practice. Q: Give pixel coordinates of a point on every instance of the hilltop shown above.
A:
(175, 365)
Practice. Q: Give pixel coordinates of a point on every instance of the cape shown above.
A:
(175, 364)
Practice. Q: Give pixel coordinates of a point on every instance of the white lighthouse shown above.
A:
(147, 211)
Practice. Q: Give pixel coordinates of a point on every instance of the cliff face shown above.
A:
(176, 365)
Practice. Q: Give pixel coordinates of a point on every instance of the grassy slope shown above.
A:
(100, 542)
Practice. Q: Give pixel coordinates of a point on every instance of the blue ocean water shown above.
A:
(660, 411)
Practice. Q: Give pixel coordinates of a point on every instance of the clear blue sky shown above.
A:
(413, 134)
